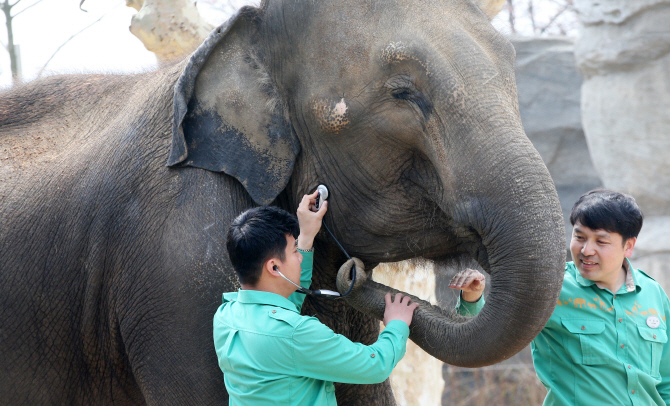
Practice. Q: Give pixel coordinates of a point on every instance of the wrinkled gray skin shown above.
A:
(112, 263)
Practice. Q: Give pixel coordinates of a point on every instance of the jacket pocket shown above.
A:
(655, 338)
(589, 334)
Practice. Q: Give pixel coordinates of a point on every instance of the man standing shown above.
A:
(606, 342)
(268, 352)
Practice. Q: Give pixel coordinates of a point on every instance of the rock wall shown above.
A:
(169, 28)
(549, 84)
(624, 56)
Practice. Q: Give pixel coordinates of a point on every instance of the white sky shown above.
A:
(108, 45)
(551, 17)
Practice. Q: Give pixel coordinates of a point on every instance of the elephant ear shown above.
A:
(227, 115)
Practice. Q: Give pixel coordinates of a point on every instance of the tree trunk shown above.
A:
(11, 49)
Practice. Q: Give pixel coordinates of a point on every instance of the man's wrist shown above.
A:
(471, 297)
(305, 244)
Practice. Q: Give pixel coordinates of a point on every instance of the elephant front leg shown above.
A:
(349, 322)
(167, 334)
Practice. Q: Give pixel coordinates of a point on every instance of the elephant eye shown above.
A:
(403, 94)
(412, 95)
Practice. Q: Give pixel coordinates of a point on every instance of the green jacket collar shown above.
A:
(259, 297)
(629, 285)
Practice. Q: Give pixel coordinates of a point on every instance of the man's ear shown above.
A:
(490, 7)
(228, 116)
(272, 266)
(628, 247)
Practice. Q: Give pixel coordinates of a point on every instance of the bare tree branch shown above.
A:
(565, 3)
(552, 19)
(531, 14)
(15, 3)
(68, 40)
(510, 8)
(34, 4)
(539, 17)
(11, 48)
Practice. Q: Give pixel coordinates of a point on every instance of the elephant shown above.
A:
(117, 191)
(579, 302)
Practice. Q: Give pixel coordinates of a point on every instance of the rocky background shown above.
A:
(623, 53)
(549, 86)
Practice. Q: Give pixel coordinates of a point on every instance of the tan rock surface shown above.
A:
(171, 29)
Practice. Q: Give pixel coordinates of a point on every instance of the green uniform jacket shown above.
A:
(600, 348)
(272, 355)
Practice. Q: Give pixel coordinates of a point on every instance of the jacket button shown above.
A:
(654, 335)
(372, 355)
(274, 311)
(621, 345)
(583, 328)
(620, 320)
(633, 391)
(628, 366)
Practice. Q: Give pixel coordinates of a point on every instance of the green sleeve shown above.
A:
(321, 354)
(468, 309)
(664, 368)
(298, 298)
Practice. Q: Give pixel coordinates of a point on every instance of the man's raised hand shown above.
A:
(309, 220)
(471, 282)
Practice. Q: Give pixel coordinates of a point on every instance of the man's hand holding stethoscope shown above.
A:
(310, 220)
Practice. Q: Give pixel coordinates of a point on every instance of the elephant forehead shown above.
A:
(395, 52)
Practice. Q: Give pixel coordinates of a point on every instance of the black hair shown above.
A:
(257, 235)
(603, 209)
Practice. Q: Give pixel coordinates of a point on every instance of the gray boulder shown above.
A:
(624, 56)
(549, 86)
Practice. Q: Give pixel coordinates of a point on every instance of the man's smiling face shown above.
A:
(599, 254)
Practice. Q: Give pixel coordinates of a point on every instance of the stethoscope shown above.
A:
(324, 293)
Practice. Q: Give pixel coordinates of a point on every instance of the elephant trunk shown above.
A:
(521, 245)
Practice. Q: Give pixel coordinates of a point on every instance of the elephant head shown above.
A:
(408, 112)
